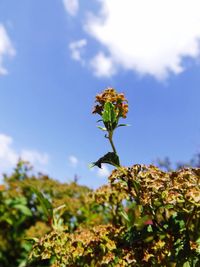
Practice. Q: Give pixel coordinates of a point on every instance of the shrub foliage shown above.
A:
(153, 219)
(143, 217)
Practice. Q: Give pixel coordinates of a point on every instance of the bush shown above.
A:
(142, 217)
(152, 216)
(22, 216)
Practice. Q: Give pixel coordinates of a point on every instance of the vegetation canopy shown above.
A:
(142, 217)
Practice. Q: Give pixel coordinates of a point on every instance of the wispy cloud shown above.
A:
(103, 172)
(102, 65)
(76, 49)
(9, 156)
(6, 48)
(73, 160)
(148, 37)
(71, 6)
(35, 156)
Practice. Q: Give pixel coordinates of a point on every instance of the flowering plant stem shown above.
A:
(111, 107)
(110, 138)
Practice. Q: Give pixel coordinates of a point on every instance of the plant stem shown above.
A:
(110, 136)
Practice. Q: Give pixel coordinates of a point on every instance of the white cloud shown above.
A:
(104, 171)
(9, 156)
(35, 157)
(73, 161)
(76, 49)
(103, 66)
(146, 36)
(6, 48)
(71, 6)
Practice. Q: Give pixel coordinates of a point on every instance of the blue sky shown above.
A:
(55, 56)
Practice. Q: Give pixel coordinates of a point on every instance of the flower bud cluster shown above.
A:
(118, 100)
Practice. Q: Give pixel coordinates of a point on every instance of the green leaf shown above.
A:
(169, 206)
(6, 219)
(24, 209)
(125, 216)
(45, 204)
(198, 241)
(102, 128)
(32, 239)
(109, 114)
(186, 264)
(109, 158)
(140, 221)
(136, 186)
(59, 208)
(121, 125)
(149, 228)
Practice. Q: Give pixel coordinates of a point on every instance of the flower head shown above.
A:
(118, 100)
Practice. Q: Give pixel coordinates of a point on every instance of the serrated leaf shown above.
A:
(109, 158)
